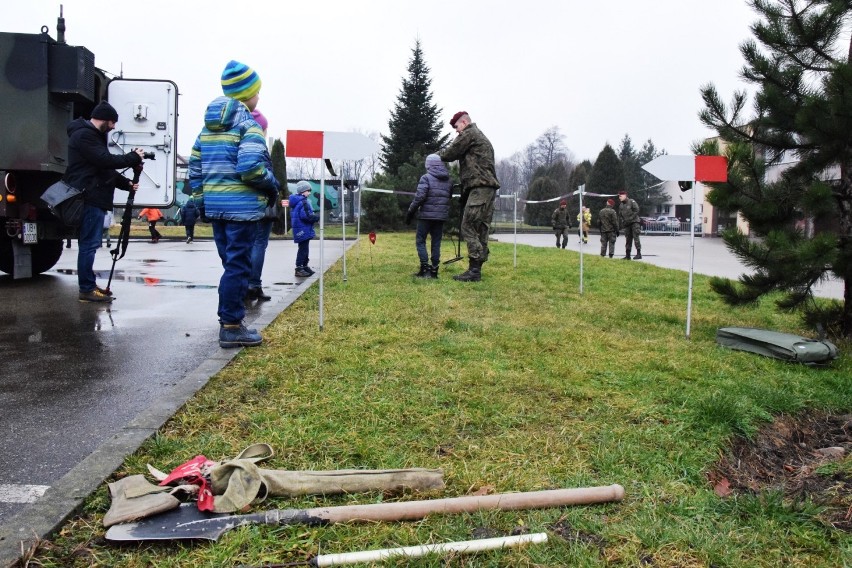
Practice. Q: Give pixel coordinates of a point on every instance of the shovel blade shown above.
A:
(184, 522)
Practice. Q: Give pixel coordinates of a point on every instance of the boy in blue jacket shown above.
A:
(303, 218)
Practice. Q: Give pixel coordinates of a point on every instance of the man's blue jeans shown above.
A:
(88, 242)
(435, 229)
(234, 241)
(258, 252)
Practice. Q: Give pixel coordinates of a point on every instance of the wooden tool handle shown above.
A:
(412, 510)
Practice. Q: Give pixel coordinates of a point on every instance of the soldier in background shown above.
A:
(559, 222)
(628, 214)
(609, 228)
(479, 190)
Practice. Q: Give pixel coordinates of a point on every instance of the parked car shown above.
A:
(644, 221)
(668, 222)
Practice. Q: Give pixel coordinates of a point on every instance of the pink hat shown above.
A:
(260, 119)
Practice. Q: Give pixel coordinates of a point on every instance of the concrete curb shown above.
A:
(65, 498)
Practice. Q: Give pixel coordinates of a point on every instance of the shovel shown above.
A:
(187, 522)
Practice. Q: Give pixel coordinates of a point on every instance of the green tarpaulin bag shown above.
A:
(784, 346)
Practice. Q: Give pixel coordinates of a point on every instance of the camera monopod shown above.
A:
(121, 244)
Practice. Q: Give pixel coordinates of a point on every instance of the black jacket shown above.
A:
(91, 167)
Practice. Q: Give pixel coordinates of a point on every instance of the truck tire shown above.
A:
(44, 256)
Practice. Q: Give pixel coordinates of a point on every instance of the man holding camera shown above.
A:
(92, 169)
(479, 190)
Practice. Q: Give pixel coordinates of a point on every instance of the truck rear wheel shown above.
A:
(45, 255)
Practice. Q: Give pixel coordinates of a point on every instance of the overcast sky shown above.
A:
(597, 70)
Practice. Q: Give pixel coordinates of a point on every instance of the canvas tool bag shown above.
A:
(239, 483)
(65, 202)
(236, 484)
(784, 346)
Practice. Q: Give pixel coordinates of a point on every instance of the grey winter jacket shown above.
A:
(433, 191)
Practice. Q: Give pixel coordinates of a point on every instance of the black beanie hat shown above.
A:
(104, 111)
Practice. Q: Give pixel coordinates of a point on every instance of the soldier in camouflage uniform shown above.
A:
(609, 228)
(628, 214)
(559, 222)
(479, 190)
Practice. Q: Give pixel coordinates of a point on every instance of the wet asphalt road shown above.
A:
(74, 374)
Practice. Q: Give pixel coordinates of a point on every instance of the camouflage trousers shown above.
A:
(477, 220)
(631, 233)
(607, 242)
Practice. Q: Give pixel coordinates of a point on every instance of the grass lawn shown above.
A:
(516, 383)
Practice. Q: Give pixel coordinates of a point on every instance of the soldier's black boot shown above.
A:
(638, 255)
(424, 271)
(433, 272)
(472, 274)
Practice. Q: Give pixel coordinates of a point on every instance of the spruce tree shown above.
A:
(279, 170)
(639, 184)
(800, 67)
(606, 177)
(415, 123)
(548, 182)
(579, 176)
(279, 166)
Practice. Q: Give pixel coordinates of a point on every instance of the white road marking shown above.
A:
(21, 493)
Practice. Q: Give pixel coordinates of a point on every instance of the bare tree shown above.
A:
(550, 148)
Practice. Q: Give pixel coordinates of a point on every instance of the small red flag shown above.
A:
(711, 168)
(373, 237)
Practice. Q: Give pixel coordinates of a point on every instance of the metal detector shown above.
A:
(458, 256)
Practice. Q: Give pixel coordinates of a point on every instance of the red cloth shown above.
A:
(194, 472)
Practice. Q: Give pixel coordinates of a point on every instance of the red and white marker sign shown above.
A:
(688, 168)
(329, 145)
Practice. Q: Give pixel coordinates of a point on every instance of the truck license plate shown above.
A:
(30, 233)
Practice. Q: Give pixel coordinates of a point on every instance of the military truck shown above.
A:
(44, 85)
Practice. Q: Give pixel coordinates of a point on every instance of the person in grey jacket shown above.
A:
(432, 205)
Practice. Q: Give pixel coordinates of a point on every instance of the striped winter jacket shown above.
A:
(229, 167)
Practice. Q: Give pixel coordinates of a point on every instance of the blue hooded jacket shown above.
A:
(230, 166)
(302, 217)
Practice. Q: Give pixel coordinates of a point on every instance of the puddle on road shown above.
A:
(146, 280)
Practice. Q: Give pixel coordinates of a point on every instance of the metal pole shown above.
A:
(358, 225)
(691, 259)
(322, 241)
(582, 188)
(515, 222)
(343, 217)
